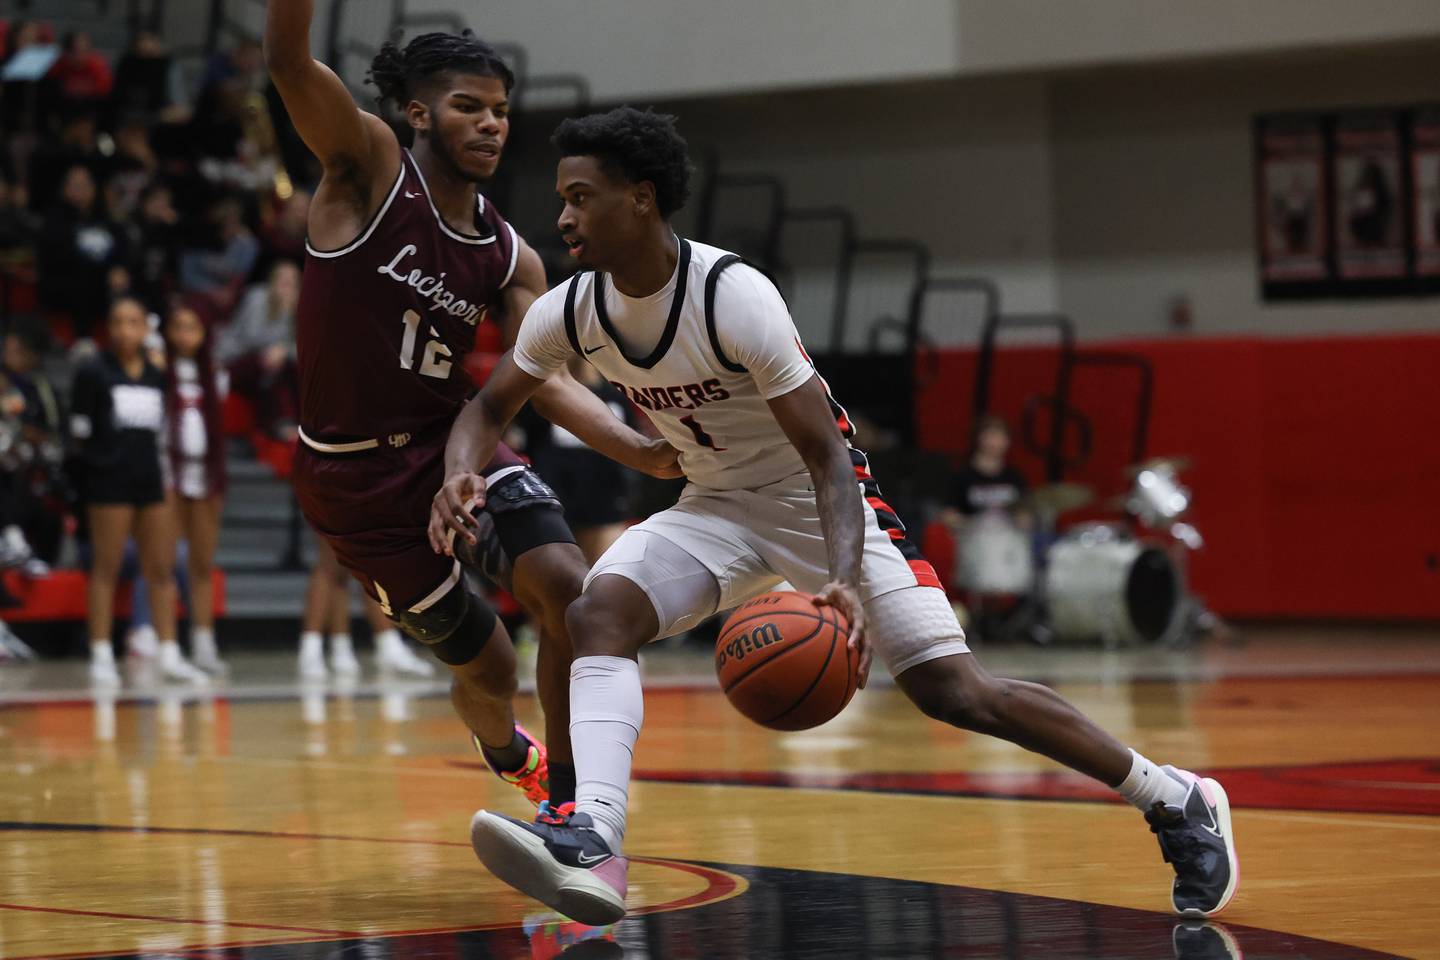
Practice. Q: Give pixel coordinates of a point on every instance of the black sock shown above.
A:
(562, 783)
(509, 759)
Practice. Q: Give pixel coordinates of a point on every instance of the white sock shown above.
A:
(607, 709)
(388, 640)
(202, 639)
(102, 651)
(1148, 783)
(170, 651)
(341, 644)
(312, 642)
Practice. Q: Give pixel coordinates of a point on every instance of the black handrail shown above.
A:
(915, 249)
(1060, 398)
(846, 220)
(770, 246)
(1140, 438)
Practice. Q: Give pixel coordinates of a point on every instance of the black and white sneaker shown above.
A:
(1197, 840)
(566, 865)
(1198, 940)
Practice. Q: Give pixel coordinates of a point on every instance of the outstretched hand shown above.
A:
(847, 603)
(450, 511)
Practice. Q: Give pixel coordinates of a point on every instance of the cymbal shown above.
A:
(1060, 497)
(1171, 464)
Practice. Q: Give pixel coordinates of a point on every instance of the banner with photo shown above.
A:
(1371, 215)
(1293, 205)
(1425, 190)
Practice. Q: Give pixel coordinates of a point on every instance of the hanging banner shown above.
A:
(1292, 205)
(1425, 178)
(1370, 212)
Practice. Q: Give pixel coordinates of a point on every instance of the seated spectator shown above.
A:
(989, 483)
(155, 242)
(81, 77)
(19, 228)
(134, 163)
(47, 166)
(259, 347)
(20, 100)
(233, 141)
(217, 273)
(40, 494)
(282, 231)
(145, 82)
(82, 255)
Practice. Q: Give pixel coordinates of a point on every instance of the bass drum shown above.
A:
(995, 557)
(1102, 585)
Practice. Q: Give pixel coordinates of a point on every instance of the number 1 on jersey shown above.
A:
(701, 437)
(433, 363)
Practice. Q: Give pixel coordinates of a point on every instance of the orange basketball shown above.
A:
(784, 662)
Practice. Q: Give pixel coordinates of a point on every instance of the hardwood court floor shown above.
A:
(260, 821)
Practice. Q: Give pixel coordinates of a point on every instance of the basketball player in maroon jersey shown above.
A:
(404, 259)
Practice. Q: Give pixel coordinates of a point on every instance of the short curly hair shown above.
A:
(635, 144)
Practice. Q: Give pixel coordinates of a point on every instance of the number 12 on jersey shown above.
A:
(433, 363)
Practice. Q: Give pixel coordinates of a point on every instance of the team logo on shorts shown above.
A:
(399, 439)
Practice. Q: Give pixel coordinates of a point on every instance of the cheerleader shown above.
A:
(118, 413)
(195, 456)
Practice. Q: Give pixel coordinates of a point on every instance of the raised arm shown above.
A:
(324, 113)
(805, 416)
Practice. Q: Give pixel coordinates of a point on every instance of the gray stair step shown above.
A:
(257, 537)
(270, 595)
(268, 512)
(264, 558)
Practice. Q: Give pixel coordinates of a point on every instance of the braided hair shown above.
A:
(400, 73)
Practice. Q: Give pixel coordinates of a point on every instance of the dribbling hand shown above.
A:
(846, 601)
(450, 511)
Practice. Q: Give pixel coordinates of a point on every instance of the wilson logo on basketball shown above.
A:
(762, 636)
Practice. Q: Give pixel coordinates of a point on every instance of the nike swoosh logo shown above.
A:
(591, 350)
(412, 196)
(587, 861)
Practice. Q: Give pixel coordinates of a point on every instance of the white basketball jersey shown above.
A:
(701, 357)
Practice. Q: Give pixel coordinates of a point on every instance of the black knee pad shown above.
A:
(521, 513)
(455, 627)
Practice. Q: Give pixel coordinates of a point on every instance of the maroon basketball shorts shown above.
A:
(373, 508)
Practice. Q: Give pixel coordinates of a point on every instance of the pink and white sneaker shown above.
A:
(566, 865)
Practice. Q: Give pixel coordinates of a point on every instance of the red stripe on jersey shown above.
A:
(879, 504)
(896, 533)
(924, 574)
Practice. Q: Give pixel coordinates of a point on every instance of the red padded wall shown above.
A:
(1317, 462)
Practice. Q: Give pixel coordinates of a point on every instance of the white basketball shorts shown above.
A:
(715, 549)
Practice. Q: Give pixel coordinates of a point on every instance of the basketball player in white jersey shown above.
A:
(704, 343)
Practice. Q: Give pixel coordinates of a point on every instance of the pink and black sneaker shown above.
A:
(561, 861)
(533, 777)
(1197, 840)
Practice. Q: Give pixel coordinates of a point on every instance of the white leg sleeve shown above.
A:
(607, 709)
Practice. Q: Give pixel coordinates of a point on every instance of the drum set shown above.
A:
(1120, 583)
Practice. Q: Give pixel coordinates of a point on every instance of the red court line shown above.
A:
(189, 920)
(1401, 786)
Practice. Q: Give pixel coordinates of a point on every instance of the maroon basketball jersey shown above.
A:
(384, 323)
